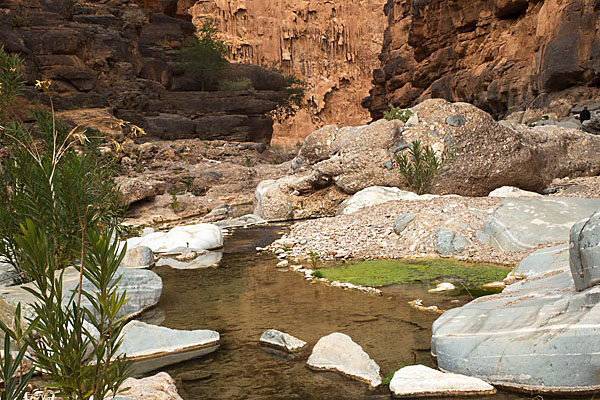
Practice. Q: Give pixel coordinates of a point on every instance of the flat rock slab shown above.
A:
(151, 347)
(511, 191)
(282, 341)
(538, 335)
(158, 387)
(523, 224)
(204, 260)
(197, 237)
(337, 352)
(422, 381)
(143, 289)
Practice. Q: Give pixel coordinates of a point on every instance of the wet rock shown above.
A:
(337, 352)
(456, 120)
(199, 260)
(422, 381)
(521, 224)
(151, 347)
(584, 252)
(443, 287)
(402, 222)
(158, 387)
(377, 195)
(282, 341)
(182, 238)
(511, 191)
(532, 336)
(448, 242)
(138, 257)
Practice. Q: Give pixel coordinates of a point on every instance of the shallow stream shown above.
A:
(246, 295)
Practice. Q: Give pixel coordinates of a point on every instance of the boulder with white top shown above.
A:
(377, 195)
(181, 239)
(281, 340)
(422, 381)
(337, 352)
(511, 191)
(151, 347)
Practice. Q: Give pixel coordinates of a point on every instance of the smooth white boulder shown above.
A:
(443, 287)
(511, 191)
(198, 238)
(282, 340)
(158, 387)
(377, 195)
(151, 347)
(337, 352)
(421, 381)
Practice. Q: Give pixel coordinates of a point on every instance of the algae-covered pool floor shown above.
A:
(377, 273)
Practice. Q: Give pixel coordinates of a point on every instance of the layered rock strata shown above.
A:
(500, 55)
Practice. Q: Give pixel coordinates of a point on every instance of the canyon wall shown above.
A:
(500, 55)
(330, 44)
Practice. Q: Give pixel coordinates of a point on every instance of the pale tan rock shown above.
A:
(158, 387)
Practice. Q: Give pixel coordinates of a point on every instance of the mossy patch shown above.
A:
(377, 273)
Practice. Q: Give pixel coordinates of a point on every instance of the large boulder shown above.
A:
(523, 224)
(422, 381)
(486, 155)
(337, 352)
(151, 347)
(143, 290)
(584, 252)
(539, 334)
(592, 125)
(181, 239)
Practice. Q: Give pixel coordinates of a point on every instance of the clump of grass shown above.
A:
(317, 274)
(403, 114)
(377, 273)
(422, 165)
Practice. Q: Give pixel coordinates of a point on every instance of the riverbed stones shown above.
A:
(282, 341)
(584, 252)
(151, 347)
(422, 381)
(525, 223)
(511, 191)
(138, 257)
(184, 238)
(539, 334)
(158, 387)
(449, 242)
(376, 195)
(337, 352)
(8, 274)
(402, 222)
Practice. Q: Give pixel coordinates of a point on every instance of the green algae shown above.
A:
(378, 273)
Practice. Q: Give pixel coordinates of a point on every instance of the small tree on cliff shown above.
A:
(203, 55)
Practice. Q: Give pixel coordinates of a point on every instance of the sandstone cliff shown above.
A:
(500, 55)
(114, 55)
(332, 45)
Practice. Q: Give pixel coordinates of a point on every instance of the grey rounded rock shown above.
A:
(402, 222)
(456, 120)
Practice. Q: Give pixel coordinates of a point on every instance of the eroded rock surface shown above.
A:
(337, 352)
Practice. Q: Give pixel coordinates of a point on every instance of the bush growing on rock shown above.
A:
(403, 114)
(421, 165)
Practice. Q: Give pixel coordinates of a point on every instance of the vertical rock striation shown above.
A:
(332, 45)
(499, 55)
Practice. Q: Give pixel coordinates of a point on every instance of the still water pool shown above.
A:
(246, 295)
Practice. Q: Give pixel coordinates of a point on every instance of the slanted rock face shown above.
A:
(522, 224)
(534, 335)
(338, 352)
(499, 55)
(337, 162)
(584, 252)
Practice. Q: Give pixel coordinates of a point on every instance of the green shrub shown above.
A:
(293, 99)
(403, 114)
(133, 17)
(203, 55)
(10, 84)
(421, 165)
(242, 83)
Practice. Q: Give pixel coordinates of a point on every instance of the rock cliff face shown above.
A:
(118, 56)
(332, 45)
(500, 55)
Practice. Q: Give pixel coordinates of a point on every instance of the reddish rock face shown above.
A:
(500, 55)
